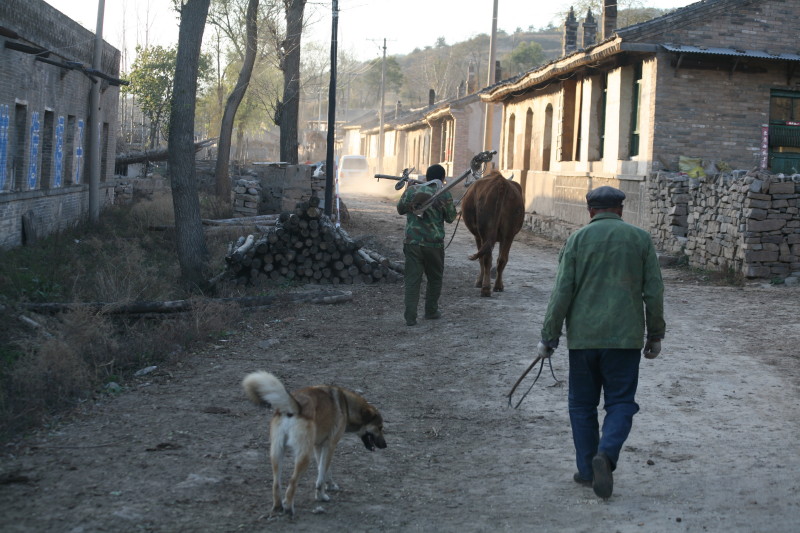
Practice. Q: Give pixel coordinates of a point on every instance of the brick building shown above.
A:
(47, 77)
(715, 80)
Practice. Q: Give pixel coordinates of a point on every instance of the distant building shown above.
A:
(47, 76)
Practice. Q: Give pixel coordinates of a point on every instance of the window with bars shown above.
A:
(784, 131)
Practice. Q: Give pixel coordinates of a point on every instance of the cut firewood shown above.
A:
(304, 246)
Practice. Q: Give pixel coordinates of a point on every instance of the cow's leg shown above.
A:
(479, 279)
(502, 260)
(486, 273)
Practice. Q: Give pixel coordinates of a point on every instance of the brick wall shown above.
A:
(700, 113)
(37, 94)
(48, 210)
(751, 24)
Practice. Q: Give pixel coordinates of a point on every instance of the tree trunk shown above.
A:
(191, 243)
(289, 108)
(223, 182)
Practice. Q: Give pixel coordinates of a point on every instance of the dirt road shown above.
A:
(714, 448)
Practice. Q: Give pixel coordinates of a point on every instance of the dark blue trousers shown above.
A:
(616, 373)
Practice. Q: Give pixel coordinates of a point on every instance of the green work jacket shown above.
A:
(608, 288)
(427, 230)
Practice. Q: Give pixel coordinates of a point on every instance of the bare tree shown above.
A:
(287, 110)
(192, 250)
(223, 183)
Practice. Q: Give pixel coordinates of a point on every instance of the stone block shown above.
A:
(766, 225)
(779, 270)
(758, 204)
(756, 271)
(781, 187)
(774, 239)
(761, 256)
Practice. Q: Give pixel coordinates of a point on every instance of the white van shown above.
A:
(353, 168)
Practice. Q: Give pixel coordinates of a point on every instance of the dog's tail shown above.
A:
(262, 388)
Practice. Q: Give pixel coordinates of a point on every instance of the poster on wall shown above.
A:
(33, 168)
(4, 121)
(78, 154)
(58, 155)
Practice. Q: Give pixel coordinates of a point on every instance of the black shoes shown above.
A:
(603, 481)
(432, 316)
(580, 481)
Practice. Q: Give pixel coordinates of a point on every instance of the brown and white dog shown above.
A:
(311, 420)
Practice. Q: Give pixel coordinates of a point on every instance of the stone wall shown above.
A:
(747, 222)
(274, 188)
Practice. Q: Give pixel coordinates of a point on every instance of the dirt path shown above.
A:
(714, 448)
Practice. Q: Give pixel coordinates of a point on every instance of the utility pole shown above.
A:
(489, 117)
(329, 164)
(96, 116)
(383, 91)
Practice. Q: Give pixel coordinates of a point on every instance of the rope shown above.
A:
(539, 360)
(456, 229)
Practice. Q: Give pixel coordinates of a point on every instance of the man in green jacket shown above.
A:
(423, 246)
(609, 291)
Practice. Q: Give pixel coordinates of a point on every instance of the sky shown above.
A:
(362, 26)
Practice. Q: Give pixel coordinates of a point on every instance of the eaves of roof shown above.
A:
(449, 106)
(755, 54)
(554, 69)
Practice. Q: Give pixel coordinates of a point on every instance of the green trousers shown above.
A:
(419, 260)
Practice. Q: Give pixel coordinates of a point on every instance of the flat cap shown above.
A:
(605, 197)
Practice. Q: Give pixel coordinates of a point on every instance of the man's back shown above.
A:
(607, 270)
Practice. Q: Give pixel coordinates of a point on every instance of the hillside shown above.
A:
(444, 66)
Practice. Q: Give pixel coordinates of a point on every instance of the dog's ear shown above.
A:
(370, 415)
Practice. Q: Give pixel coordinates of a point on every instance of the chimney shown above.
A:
(498, 71)
(431, 97)
(589, 30)
(398, 108)
(570, 40)
(472, 79)
(609, 18)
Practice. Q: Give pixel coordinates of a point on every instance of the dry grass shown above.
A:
(71, 357)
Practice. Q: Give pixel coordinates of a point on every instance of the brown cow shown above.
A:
(493, 210)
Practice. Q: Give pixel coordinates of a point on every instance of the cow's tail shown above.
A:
(488, 245)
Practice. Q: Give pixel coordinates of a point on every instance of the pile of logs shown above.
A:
(304, 246)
